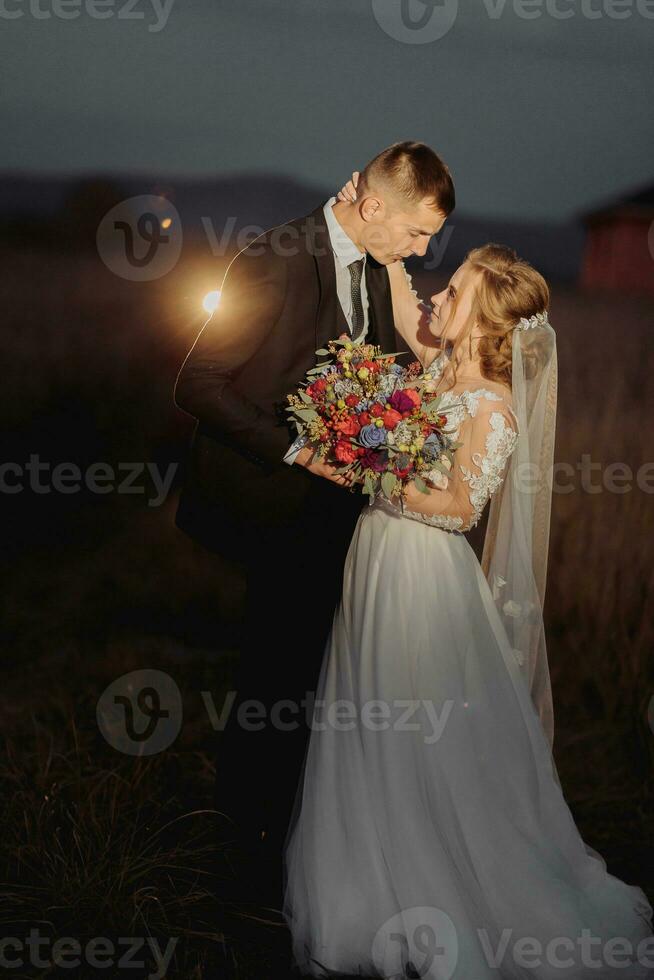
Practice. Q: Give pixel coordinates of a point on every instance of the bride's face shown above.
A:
(453, 305)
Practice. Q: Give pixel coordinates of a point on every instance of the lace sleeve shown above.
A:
(488, 436)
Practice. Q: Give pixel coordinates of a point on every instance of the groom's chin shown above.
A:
(378, 260)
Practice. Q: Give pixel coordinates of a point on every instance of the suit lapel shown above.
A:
(381, 310)
(330, 319)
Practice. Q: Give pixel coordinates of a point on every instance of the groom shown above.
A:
(290, 521)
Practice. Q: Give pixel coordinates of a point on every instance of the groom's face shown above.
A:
(394, 230)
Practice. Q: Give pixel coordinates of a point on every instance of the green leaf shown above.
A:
(306, 414)
(305, 398)
(388, 482)
(421, 485)
(370, 485)
(322, 352)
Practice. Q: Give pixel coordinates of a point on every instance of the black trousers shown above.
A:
(294, 583)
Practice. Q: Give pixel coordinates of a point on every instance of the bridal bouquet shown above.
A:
(364, 414)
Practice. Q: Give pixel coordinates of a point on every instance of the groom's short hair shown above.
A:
(413, 172)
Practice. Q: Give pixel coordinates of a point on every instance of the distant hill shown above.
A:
(61, 212)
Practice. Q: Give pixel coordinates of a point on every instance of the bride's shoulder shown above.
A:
(491, 404)
(487, 395)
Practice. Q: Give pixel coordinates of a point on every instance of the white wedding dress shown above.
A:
(430, 836)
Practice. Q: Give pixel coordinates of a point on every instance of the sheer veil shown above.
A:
(516, 545)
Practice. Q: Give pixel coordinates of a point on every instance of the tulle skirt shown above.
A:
(430, 837)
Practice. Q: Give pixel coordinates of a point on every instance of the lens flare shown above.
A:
(211, 301)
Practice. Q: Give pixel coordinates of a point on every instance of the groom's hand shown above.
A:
(328, 472)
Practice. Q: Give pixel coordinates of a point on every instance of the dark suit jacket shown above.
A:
(278, 306)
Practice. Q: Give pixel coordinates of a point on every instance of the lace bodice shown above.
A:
(483, 422)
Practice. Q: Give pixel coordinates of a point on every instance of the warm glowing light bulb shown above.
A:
(211, 300)
(166, 223)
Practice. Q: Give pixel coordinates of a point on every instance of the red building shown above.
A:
(619, 249)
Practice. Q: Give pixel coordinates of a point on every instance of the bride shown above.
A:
(430, 837)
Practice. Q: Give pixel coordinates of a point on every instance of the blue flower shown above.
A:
(372, 436)
(433, 446)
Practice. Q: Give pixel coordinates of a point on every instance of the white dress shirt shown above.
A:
(345, 252)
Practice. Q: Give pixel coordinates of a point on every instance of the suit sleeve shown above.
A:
(252, 299)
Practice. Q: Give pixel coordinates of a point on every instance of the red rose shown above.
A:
(348, 427)
(344, 452)
(413, 395)
(377, 410)
(351, 401)
(317, 388)
(391, 418)
(364, 419)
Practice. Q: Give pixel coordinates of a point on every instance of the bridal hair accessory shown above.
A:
(538, 320)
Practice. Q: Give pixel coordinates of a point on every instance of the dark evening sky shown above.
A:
(541, 107)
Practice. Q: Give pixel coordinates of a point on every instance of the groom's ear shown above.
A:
(370, 207)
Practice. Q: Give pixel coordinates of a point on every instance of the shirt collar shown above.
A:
(344, 248)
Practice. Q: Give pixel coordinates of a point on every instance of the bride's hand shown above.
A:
(348, 194)
(325, 470)
(414, 499)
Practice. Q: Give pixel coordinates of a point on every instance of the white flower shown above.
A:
(437, 479)
(512, 608)
(538, 320)
(498, 582)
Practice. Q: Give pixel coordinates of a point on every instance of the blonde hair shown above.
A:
(507, 289)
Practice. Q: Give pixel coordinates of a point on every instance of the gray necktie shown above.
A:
(356, 274)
